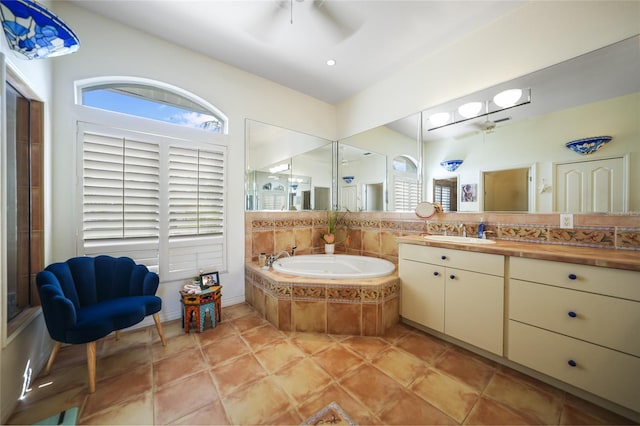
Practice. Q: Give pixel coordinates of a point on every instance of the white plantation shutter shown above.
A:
(405, 192)
(443, 196)
(196, 189)
(121, 198)
(156, 199)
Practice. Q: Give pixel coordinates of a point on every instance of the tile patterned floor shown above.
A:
(245, 371)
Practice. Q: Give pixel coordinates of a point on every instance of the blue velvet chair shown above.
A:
(87, 298)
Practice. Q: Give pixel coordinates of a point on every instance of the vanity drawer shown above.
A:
(605, 320)
(603, 372)
(471, 261)
(594, 279)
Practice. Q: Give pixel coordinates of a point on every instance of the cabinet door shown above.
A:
(610, 374)
(474, 309)
(422, 293)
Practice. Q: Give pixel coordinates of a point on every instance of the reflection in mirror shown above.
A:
(506, 190)
(361, 179)
(595, 94)
(388, 180)
(445, 193)
(286, 170)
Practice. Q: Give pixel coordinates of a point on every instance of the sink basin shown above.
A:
(458, 240)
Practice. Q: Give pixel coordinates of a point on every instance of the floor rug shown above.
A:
(332, 414)
(66, 417)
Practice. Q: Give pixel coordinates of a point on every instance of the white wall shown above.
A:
(108, 48)
(540, 142)
(534, 36)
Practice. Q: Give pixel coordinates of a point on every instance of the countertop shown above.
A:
(610, 258)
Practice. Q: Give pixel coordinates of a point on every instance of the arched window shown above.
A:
(153, 173)
(153, 100)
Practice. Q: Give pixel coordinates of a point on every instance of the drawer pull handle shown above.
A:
(572, 363)
(453, 277)
(443, 257)
(572, 276)
(572, 314)
(436, 273)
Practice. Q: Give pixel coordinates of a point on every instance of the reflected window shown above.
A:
(445, 192)
(406, 191)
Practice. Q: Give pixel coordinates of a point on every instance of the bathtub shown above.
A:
(352, 306)
(334, 266)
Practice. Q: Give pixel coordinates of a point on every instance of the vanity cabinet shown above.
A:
(458, 293)
(579, 324)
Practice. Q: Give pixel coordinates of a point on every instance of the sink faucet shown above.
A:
(293, 250)
(462, 230)
(275, 257)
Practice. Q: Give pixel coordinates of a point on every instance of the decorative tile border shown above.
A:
(628, 238)
(598, 231)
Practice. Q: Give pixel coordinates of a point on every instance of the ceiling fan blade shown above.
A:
(273, 16)
(342, 25)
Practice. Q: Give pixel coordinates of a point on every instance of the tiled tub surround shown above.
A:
(364, 307)
(374, 234)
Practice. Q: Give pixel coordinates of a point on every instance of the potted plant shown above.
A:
(334, 219)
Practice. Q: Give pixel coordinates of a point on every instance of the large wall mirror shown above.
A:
(287, 170)
(517, 159)
(378, 169)
(514, 159)
(592, 95)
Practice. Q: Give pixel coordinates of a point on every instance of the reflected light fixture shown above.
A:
(439, 118)
(470, 109)
(279, 168)
(507, 98)
(35, 32)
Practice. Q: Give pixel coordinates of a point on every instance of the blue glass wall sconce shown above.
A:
(35, 32)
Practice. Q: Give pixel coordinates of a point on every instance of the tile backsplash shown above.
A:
(375, 233)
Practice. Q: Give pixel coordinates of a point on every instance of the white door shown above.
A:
(349, 198)
(592, 186)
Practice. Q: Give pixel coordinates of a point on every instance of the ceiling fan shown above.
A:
(489, 126)
(331, 14)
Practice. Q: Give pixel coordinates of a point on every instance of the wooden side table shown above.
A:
(196, 305)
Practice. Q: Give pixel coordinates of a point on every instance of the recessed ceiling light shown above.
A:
(331, 62)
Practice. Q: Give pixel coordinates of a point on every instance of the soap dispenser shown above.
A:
(481, 229)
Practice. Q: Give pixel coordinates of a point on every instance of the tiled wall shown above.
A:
(374, 234)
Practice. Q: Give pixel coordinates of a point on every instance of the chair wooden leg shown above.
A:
(91, 365)
(156, 318)
(52, 357)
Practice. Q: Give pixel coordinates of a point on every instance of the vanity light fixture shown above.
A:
(504, 100)
(440, 118)
(507, 98)
(470, 109)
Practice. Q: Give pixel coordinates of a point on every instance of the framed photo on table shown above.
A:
(209, 279)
